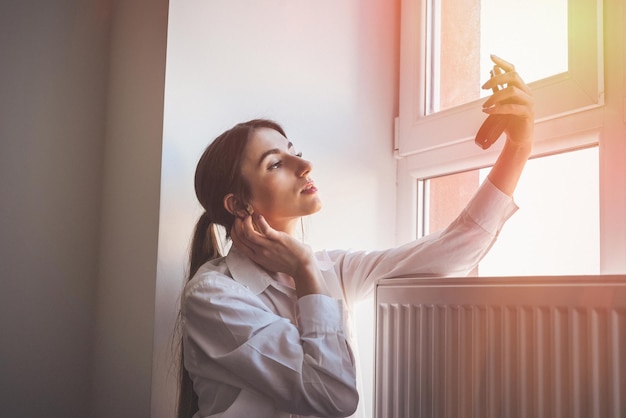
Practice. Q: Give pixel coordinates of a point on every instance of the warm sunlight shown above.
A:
(535, 40)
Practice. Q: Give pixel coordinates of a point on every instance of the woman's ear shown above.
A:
(230, 203)
(236, 207)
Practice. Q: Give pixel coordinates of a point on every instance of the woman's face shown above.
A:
(280, 186)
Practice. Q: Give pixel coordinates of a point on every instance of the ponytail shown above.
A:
(187, 397)
(204, 246)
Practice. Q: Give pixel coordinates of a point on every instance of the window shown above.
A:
(464, 33)
(557, 233)
(443, 66)
(576, 123)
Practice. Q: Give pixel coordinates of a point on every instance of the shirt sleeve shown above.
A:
(454, 251)
(306, 369)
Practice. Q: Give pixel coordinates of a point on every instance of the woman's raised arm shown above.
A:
(516, 100)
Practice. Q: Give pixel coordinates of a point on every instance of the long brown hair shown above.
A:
(218, 173)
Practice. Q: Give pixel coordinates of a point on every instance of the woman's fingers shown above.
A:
(510, 98)
(272, 249)
(255, 233)
(238, 236)
(509, 79)
(515, 98)
(246, 231)
(503, 64)
(504, 74)
(263, 227)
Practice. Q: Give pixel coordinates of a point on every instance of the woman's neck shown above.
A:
(288, 226)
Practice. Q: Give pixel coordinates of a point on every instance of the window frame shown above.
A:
(579, 89)
(596, 66)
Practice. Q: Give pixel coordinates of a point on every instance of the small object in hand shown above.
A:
(492, 127)
(490, 130)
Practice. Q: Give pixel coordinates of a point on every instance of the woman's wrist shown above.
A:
(520, 146)
(506, 171)
(308, 279)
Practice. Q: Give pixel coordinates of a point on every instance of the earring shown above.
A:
(247, 210)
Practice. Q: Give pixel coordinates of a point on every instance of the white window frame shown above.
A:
(572, 111)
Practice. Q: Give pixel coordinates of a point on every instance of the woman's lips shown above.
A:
(309, 188)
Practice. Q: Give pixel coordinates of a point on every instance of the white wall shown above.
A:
(53, 71)
(327, 71)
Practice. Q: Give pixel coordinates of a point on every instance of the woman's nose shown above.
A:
(304, 167)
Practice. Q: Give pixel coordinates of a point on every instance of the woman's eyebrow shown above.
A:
(273, 151)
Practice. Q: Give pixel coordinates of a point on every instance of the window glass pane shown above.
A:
(556, 230)
(531, 34)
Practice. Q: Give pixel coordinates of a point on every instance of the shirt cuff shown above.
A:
(490, 207)
(320, 313)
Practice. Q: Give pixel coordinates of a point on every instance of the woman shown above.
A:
(265, 327)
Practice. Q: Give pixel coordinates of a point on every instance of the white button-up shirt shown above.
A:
(253, 349)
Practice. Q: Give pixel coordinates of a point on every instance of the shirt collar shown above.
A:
(248, 273)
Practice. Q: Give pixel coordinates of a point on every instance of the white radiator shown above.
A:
(501, 347)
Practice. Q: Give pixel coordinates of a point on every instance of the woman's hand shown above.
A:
(278, 252)
(515, 99)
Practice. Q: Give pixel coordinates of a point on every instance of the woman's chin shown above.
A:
(315, 208)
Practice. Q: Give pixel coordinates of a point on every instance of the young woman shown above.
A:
(265, 328)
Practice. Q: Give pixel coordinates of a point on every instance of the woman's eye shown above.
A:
(275, 165)
(279, 163)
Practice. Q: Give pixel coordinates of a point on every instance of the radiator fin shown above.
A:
(456, 361)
